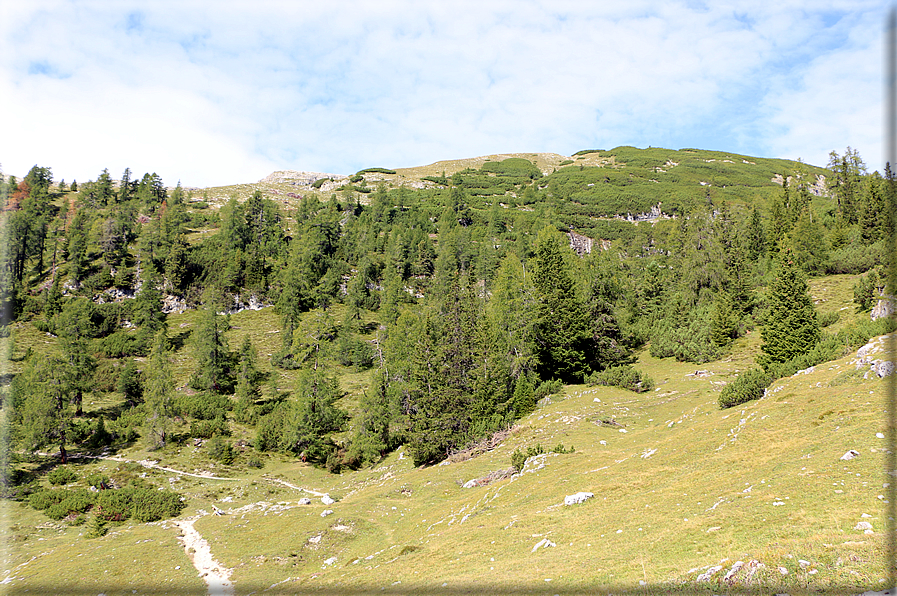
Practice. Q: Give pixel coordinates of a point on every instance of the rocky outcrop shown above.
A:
(581, 245)
(885, 307)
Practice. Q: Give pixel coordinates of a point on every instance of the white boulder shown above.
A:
(577, 498)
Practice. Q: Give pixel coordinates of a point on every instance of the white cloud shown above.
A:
(226, 92)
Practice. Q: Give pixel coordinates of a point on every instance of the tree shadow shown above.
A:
(179, 341)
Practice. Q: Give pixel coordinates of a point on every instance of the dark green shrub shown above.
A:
(547, 388)
(202, 406)
(625, 377)
(96, 528)
(43, 499)
(62, 475)
(128, 424)
(106, 375)
(320, 182)
(377, 171)
(130, 383)
(748, 386)
(100, 481)
(75, 501)
(566, 162)
(100, 437)
(518, 459)
(828, 318)
(206, 429)
(113, 505)
(148, 505)
(587, 151)
(356, 178)
(255, 462)
(221, 450)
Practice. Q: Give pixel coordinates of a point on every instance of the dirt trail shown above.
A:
(216, 576)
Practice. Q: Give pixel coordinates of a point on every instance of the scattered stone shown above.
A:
(879, 436)
(783, 571)
(544, 401)
(330, 561)
(730, 575)
(850, 455)
(305, 501)
(326, 512)
(865, 515)
(707, 575)
(803, 563)
(315, 539)
(577, 498)
(327, 500)
(544, 543)
(885, 368)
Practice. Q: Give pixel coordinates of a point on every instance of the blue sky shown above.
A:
(214, 93)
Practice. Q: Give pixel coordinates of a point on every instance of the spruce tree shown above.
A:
(563, 330)
(792, 327)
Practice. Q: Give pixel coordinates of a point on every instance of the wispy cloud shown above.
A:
(214, 93)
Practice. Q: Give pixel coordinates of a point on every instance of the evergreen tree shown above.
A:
(210, 350)
(563, 331)
(158, 392)
(42, 393)
(791, 327)
(371, 438)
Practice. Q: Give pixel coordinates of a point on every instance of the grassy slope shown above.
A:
(686, 487)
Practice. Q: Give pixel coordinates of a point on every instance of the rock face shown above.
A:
(581, 245)
(577, 498)
(296, 178)
(884, 307)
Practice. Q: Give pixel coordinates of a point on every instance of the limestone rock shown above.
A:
(885, 368)
(850, 455)
(707, 575)
(327, 500)
(305, 501)
(575, 499)
(544, 543)
(863, 525)
(326, 512)
(883, 308)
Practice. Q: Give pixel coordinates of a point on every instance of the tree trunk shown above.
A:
(63, 456)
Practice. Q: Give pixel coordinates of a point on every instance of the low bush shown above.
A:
(376, 171)
(748, 386)
(827, 319)
(221, 450)
(547, 388)
(206, 429)
(202, 406)
(43, 499)
(113, 505)
(62, 475)
(148, 505)
(625, 377)
(75, 501)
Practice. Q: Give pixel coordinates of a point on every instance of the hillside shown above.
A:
(681, 487)
(393, 380)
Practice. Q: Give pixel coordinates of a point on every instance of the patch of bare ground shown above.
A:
(482, 446)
